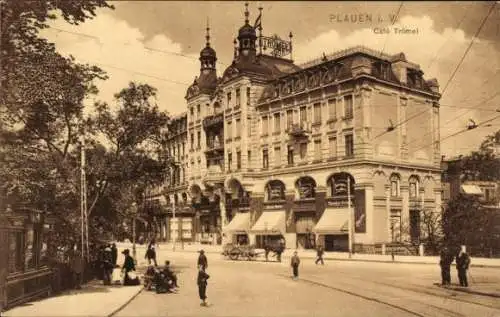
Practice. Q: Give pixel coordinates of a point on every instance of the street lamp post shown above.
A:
(350, 222)
(174, 221)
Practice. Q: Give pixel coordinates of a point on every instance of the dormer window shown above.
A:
(276, 91)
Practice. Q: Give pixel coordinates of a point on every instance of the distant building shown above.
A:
(272, 149)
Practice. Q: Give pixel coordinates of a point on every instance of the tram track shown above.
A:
(347, 289)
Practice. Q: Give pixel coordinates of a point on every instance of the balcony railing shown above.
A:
(298, 130)
(214, 148)
(213, 120)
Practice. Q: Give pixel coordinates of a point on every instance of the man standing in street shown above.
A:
(202, 285)
(320, 256)
(445, 262)
(202, 260)
(295, 262)
(463, 262)
(114, 252)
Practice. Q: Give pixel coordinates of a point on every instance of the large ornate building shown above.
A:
(276, 150)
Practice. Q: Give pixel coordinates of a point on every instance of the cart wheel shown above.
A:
(233, 256)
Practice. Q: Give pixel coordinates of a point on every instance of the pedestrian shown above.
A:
(445, 263)
(77, 268)
(202, 285)
(295, 262)
(107, 265)
(320, 256)
(129, 269)
(463, 262)
(151, 253)
(114, 253)
(202, 260)
(167, 271)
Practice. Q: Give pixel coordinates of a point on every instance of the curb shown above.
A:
(116, 311)
(352, 260)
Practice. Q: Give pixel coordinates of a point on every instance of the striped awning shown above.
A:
(333, 221)
(270, 223)
(239, 224)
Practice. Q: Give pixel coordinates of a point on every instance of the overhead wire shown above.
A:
(392, 127)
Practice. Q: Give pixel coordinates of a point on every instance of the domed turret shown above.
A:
(246, 37)
(208, 56)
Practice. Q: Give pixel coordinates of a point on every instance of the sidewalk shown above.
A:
(94, 299)
(311, 254)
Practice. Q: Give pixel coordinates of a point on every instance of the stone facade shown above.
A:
(355, 117)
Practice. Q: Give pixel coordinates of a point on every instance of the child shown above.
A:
(295, 265)
(202, 285)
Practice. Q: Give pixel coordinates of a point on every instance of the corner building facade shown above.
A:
(275, 150)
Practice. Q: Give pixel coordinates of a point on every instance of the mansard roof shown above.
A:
(264, 66)
(339, 66)
(205, 84)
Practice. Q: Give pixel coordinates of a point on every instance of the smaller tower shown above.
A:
(247, 37)
(208, 57)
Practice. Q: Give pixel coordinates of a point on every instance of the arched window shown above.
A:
(395, 183)
(176, 199)
(275, 190)
(414, 186)
(306, 187)
(338, 184)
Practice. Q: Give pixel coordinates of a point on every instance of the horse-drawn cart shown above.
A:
(235, 252)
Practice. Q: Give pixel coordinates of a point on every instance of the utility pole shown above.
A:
(174, 222)
(350, 222)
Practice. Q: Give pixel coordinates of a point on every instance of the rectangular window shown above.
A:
(303, 151)
(238, 97)
(192, 112)
(229, 99)
(265, 158)
(277, 156)
(395, 225)
(183, 148)
(192, 141)
(229, 161)
(264, 125)
(332, 109)
(277, 122)
(333, 147)
(348, 112)
(349, 145)
(317, 112)
(303, 115)
(248, 95)
(413, 190)
(289, 119)
(238, 128)
(199, 139)
(394, 188)
(249, 158)
(198, 111)
(290, 155)
(229, 133)
(179, 152)
(238, 160)
(317, 149)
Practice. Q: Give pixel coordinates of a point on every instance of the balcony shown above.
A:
(215, 149)
(299, 130)
(213, 121)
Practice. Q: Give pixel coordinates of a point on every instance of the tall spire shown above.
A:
(246, 13)
(208, 34)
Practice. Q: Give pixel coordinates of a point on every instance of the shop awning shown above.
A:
(240, 223)
(270, 223)
(333, 221)
(471, 190)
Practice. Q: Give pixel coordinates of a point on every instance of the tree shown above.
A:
(133, 162)
(467, 222)
(41, 107)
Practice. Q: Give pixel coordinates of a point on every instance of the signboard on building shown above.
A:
(278, 47)
(359, 212)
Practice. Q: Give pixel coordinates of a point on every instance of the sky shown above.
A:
(158, 42)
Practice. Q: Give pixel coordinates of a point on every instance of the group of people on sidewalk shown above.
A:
(462, 261)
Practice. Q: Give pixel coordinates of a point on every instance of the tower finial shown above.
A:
(208, 33)
(246, 13)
